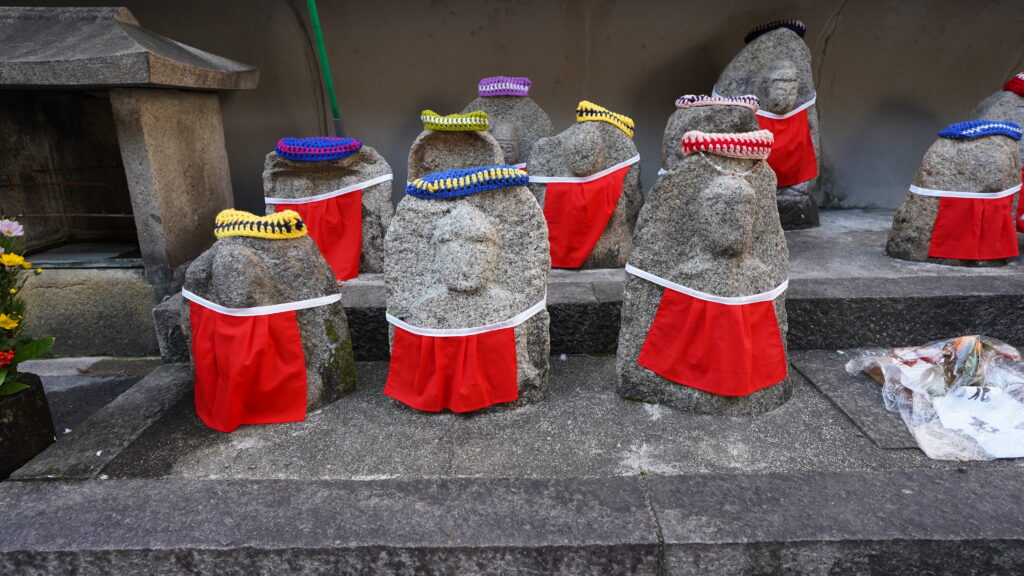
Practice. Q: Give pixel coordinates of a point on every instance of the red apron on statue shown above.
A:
(792, 158)
(730, 346)
(249, 363)
(458, 369)
(335, 222)
(1020, 206)
(577, 209)
(973, 225)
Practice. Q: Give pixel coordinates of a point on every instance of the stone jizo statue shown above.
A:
(775, 65)
(516, 121)
(703, 312)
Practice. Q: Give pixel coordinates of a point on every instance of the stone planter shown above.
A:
(26, 428)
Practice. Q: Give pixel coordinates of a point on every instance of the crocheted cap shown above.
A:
(466, 181)
(590, 112)
(1015, 84)
(794, 25)
(748, 145)
(694, 100)
(277, 226)
(476, 121)
(317, 149)
(504, 86)
(978, 128)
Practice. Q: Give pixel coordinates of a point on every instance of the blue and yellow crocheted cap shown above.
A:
(978, 128)
(317, 149)
(466, 181)
(283, 225)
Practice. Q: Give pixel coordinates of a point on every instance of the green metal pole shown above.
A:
(325, 67)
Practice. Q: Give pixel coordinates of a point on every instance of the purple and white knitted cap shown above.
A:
(504, 86)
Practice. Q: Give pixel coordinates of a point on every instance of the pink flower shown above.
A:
(11, 228)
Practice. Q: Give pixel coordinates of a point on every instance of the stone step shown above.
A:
(892, 522)
(844, 292)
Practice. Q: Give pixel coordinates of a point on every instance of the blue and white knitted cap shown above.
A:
(978, 128)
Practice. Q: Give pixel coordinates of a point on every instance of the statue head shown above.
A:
(466, 256)
(508, 138)
(727, 210)
(779, 85)
(585, 148)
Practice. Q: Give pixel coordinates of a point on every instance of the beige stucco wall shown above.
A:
(889, 74)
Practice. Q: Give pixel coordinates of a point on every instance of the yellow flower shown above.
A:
(7, 323)
(13, 291)
(38, 271)
(26, 265)
(11, 259)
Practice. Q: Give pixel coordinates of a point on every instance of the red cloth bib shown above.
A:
(461, 370)
(1020, 206)
(458, 373)
(726, 349)
(336, 225)
(248, 369)
(792, 157)
(577, 211)
(974, 229)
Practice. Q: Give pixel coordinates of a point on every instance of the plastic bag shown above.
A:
(962, 399)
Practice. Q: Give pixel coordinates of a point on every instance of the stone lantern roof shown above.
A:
(102, 48)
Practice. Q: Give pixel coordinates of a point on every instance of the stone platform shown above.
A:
(843, 292)
(583, 483)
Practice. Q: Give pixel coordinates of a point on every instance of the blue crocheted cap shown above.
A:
(317, 149)
(978, 128)
(466, 181)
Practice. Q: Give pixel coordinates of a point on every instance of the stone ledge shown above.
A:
(844, 292)
(854, 522)
(93, 444)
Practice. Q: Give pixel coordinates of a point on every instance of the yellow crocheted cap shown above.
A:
(476, 121)
(589, 112)
(277, 226)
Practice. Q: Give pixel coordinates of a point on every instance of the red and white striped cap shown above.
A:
(749, 145)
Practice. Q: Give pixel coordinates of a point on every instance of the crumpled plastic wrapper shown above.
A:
(962, 399)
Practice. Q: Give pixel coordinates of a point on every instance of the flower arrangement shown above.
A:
(14, 270)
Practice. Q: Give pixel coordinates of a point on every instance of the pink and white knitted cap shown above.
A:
(747, 145)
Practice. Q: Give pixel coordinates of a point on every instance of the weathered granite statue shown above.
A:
(269, 335)
(587, 178)
(1007, 105)
(703, 313)
(452, 142)
(775, 65)
(466, 267)
(961, 205)
(716, 114)
(516, 121)
(342, 190)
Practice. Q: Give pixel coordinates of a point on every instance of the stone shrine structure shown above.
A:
(452, 142)
(775, 65)
(594, 166)
(516, 121)
(115, 154)
(341, 183)
(1007, 105)
(703, 313)
(268, 261)
(961, 205)
(466, 257)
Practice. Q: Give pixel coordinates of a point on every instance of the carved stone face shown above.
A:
(466, 259)
(505, 134)
(780, 85)
(585, 150)
(728, 214)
